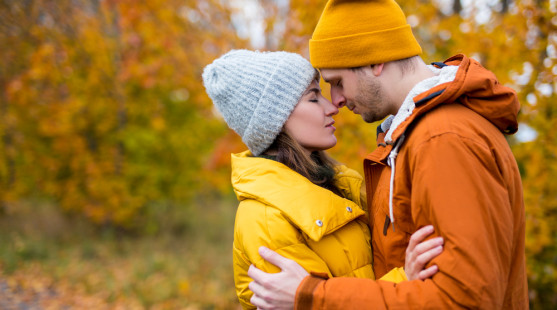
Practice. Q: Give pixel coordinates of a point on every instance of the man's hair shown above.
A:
(291, 154)
(406, 65)
(357, 69)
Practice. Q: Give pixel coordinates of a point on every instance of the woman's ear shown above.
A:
(377, 69)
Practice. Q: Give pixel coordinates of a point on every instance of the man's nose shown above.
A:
(338, 99)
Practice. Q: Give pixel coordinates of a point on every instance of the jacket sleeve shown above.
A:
(457, 186)
(261, 225)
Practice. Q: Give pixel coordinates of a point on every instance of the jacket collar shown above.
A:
(314, 210)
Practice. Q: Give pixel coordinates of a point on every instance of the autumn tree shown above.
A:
(102, 105)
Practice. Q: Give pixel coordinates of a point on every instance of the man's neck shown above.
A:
(411, 79)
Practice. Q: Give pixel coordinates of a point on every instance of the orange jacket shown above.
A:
(454, 170)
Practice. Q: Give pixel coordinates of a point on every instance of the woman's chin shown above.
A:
(331, 144)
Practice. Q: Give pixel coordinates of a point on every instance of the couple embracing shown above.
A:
(441, 223)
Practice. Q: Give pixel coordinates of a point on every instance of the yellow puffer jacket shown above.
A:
(284, 211)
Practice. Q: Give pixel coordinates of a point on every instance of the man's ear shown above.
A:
(377, 69)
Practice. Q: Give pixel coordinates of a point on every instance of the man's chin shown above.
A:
(368, 118)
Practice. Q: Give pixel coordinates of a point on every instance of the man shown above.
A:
(442, 159)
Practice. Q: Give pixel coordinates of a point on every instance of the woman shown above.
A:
(294, 199)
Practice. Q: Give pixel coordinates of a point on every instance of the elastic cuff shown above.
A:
(363, 49)
(304, 293)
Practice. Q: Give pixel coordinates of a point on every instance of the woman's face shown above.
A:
(311, 122)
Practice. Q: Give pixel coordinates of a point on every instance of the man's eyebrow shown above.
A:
(330, 79)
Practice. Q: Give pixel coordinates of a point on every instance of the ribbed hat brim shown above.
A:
(363, 49)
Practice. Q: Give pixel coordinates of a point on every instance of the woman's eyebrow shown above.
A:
(314, 90)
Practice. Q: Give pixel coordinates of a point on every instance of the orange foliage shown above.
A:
(103, 107)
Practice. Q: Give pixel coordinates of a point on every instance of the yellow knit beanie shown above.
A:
(355, 33)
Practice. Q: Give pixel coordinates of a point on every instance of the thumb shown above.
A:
(273, 257)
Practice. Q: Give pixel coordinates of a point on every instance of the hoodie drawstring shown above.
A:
(391, 162)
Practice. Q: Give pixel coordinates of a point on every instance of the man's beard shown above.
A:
(371, 100)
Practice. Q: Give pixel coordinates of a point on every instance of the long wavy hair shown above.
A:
(317, 167)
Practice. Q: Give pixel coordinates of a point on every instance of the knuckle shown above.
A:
(429, 255)
(255, 301)
(287, 264)
(290, 264)
(265, 283)
(422, 260)
(266, 297)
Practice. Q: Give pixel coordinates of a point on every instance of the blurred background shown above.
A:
(114, 165)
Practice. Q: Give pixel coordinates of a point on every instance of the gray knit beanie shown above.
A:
(256, 92)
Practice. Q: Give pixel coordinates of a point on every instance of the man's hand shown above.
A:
(275, 290)
(419, 254)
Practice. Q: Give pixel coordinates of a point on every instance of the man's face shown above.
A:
(360, 91)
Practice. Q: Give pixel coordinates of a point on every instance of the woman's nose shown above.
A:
(330, 108)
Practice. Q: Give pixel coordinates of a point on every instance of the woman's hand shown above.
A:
(419, 254)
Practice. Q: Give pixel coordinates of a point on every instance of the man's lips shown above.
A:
(352, 108)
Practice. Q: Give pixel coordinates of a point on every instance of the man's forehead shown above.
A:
(331, 74)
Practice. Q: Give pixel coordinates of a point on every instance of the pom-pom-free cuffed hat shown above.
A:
(355, 33)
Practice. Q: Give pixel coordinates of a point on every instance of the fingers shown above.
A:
(273, 257)
(258, 297)
(428, 273)
(420, 253)
(276, 290)
(428, 245)
(258, 293)
(256, 288)
(256, 274)
(259, 302)
(423, 259)
(419, 236)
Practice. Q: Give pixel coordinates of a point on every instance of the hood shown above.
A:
(299, 200)
(473, 86)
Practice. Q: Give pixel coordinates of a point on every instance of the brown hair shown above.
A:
(406, 65)
(317, 167)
